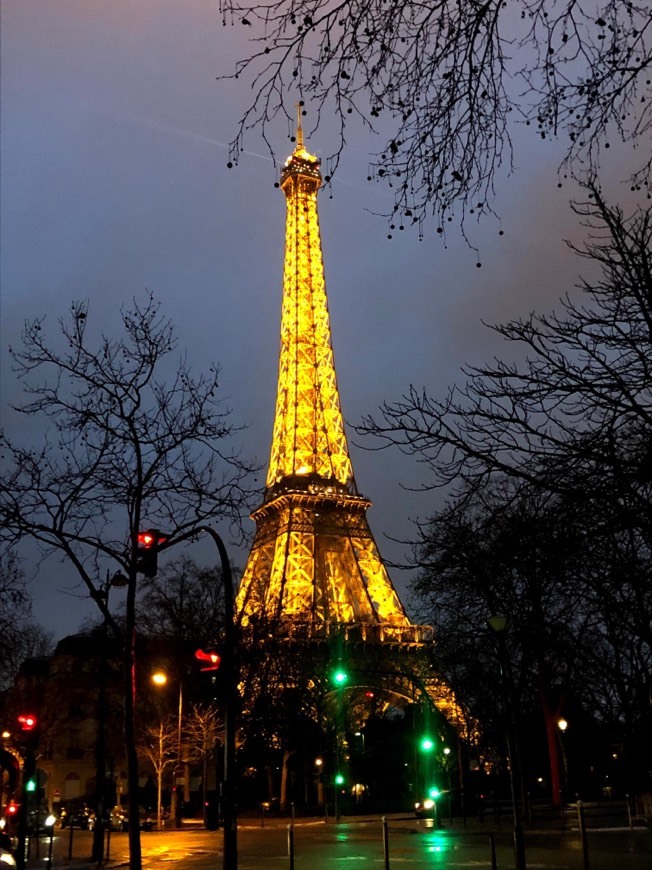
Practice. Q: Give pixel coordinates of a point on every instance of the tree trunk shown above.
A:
(100, 807)
(159, 796)
(135, 853)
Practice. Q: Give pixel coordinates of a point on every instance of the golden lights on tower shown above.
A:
(314, 559)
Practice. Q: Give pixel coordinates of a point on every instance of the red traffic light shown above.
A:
(12, 809)
(148, 544)
(151, 538)
(27, 722)
(209, 656)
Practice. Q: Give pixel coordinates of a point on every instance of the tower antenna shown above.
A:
(299, 127)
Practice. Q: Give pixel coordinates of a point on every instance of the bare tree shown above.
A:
(158, 747)
(204, 731)
(580, 402)
(184, 603)
(20, 636)
(444, 83)
(576, 592)
(123, 448)
(569, 422)
(520, 554)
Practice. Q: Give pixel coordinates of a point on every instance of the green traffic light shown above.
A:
(340, 677)
(339, 779)
(434, 793)
(427, 744)
(30, 785)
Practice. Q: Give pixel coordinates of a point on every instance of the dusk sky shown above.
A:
(114, 183)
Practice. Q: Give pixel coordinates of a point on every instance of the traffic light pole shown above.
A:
(29, 770)
(229, 667)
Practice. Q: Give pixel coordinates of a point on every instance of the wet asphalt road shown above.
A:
(350, 844)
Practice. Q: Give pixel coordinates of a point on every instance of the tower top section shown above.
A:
(301, 163)
(309, 447)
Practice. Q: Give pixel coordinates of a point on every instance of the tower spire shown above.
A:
(299, 136)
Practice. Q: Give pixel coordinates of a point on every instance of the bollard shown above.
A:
(492, 849)
(386, 842)
(291, 846)
(70, 841)
(583, 839)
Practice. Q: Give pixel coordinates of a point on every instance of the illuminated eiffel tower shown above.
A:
(314, 560)
(314, 572)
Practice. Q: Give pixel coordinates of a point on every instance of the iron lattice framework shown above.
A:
(314, 560)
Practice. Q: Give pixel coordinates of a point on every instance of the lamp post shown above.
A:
(498, 625)
(229, 668)
(160, 678)
(562, 725)
(319, 766)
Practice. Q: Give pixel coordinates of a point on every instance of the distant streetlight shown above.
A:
(499, 625)
(562, 724)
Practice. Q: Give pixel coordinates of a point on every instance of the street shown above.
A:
(323, 846)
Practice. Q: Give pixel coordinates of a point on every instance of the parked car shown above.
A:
(77, 815)
(118, 820)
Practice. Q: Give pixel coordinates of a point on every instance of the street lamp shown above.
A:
(562, 724)
(499, 625)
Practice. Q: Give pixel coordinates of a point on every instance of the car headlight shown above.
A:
(428, 804)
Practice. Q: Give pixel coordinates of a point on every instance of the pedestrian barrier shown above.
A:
(458, 835)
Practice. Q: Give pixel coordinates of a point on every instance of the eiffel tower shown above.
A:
(314, 572)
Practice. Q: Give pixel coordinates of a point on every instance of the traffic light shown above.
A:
(340, 676)
(30, 785)
(12, 810)
(210, 657)
(339, 779)
(434, 793)
(427, 744)
(147, 552)
(27, 722)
